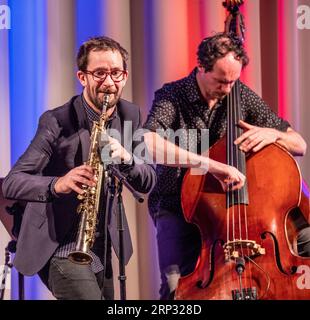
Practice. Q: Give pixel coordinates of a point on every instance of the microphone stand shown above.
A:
(113, 174)
(121, 180)
(120, 227)
(17, 211)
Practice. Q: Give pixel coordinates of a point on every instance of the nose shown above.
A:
(108, 81)
(226, 88)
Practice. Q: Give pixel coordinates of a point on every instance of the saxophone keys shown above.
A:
(80, 197)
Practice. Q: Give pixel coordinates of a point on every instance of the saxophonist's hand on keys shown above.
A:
(74, 179)
(118, 153)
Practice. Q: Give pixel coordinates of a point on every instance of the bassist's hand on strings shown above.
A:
(229, 177)
(255, 138)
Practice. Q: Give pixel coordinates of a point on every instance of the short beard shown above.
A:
(99, 102)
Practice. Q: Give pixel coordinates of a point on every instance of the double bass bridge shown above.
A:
(239, 248)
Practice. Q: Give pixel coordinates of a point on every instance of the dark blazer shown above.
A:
(61, 143)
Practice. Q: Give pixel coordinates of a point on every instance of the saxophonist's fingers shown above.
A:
(82, 180)
(85, 167)
(85, 173)
(77, 189)
(76, 184)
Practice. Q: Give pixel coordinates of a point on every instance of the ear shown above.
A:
(82, 78)
(126, 77)
(201, 69)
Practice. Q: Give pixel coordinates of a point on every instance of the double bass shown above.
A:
(248, 235)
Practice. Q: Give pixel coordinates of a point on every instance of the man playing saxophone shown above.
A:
(55, 169)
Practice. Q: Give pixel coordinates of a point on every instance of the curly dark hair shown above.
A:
(216, 47)
(98, 44)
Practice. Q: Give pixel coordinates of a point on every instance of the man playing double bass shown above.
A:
(199, 101)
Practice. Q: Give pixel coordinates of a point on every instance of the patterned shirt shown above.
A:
(179, 104)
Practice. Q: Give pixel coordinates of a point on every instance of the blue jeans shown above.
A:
(70, 281)
(179, 247)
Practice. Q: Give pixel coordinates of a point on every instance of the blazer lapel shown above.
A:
(85, 143)
(83, 126)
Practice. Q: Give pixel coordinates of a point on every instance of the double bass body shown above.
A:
(248, 250)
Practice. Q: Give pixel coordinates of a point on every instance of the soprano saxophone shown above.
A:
(88, 208)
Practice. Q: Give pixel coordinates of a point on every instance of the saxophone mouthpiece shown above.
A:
(105, 103)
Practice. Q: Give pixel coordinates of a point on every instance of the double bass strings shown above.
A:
(236, 158)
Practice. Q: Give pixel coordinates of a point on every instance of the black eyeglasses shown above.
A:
(101, 75)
